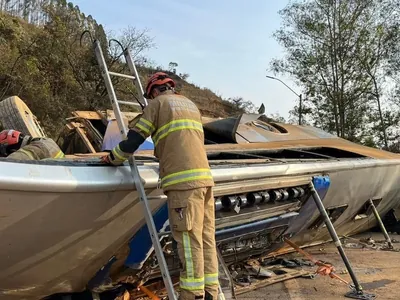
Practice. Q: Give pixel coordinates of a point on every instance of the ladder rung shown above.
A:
(162, 234)
(122, 75)
(129, 103)
(162, 197)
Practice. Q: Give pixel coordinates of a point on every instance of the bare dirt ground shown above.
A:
(377, 270)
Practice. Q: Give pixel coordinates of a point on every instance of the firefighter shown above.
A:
(16, 145)
(174, 123)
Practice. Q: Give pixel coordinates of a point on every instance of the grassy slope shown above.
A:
(13, 31)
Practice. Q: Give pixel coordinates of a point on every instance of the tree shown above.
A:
(48, 68)
(30, 10)
(384, 128)
(328, 44)
(276, 117)
(239, 105)
(172, 67)
(54, 74)
(136, 40)
(306, 113)
(184, 76)
(382, 39)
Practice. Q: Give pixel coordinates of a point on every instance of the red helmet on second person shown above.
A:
(12, 140)
(158, 78)
(9, 137)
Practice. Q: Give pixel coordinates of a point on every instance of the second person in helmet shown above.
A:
(16, 145)
(157, 84)
(174, 123)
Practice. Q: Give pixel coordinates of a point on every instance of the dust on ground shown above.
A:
(377, 270)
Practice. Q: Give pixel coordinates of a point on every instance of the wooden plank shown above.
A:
(85, 140)
(290, 274)
(90, 115)
(76, 124)
(129, 116)
(103, 117)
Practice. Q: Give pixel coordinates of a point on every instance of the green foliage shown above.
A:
(341, 53)
(184, 76)
(49, 69)
(276, 117)
(54, 74)
(369, 142)
(172, 67)
(239, 105)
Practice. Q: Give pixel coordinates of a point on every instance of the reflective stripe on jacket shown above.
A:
(174, 123)
(38, 149)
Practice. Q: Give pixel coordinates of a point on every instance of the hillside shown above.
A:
(48, 68)
(208, 102)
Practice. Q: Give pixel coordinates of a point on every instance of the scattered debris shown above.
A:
(149, 293)
(125, 296)
(354, 245)
(259, 271)
(369, 243)
(284, 274)
(324, 268)
(256, 273)
(309, 276)
(288, 263)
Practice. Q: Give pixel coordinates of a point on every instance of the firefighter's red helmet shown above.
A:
(9, 137)
(158, 78)
(12, 140)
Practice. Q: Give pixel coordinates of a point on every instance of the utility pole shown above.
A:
(300, 96)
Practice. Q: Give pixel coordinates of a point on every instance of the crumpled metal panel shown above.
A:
(244, 132)
(250, 135)
(252, 128)
(223, 127)
(246, 118)
(234, 128)
(336, 143)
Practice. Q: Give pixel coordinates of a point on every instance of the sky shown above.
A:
(224, 45)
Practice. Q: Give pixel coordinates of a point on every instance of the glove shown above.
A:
(106, 160)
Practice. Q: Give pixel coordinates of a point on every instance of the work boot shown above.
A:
(208, 296)
(213, 295)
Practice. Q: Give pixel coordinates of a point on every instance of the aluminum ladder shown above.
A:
(134, 169)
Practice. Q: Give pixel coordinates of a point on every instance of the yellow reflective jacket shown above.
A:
(174, 123)
(38, 149)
